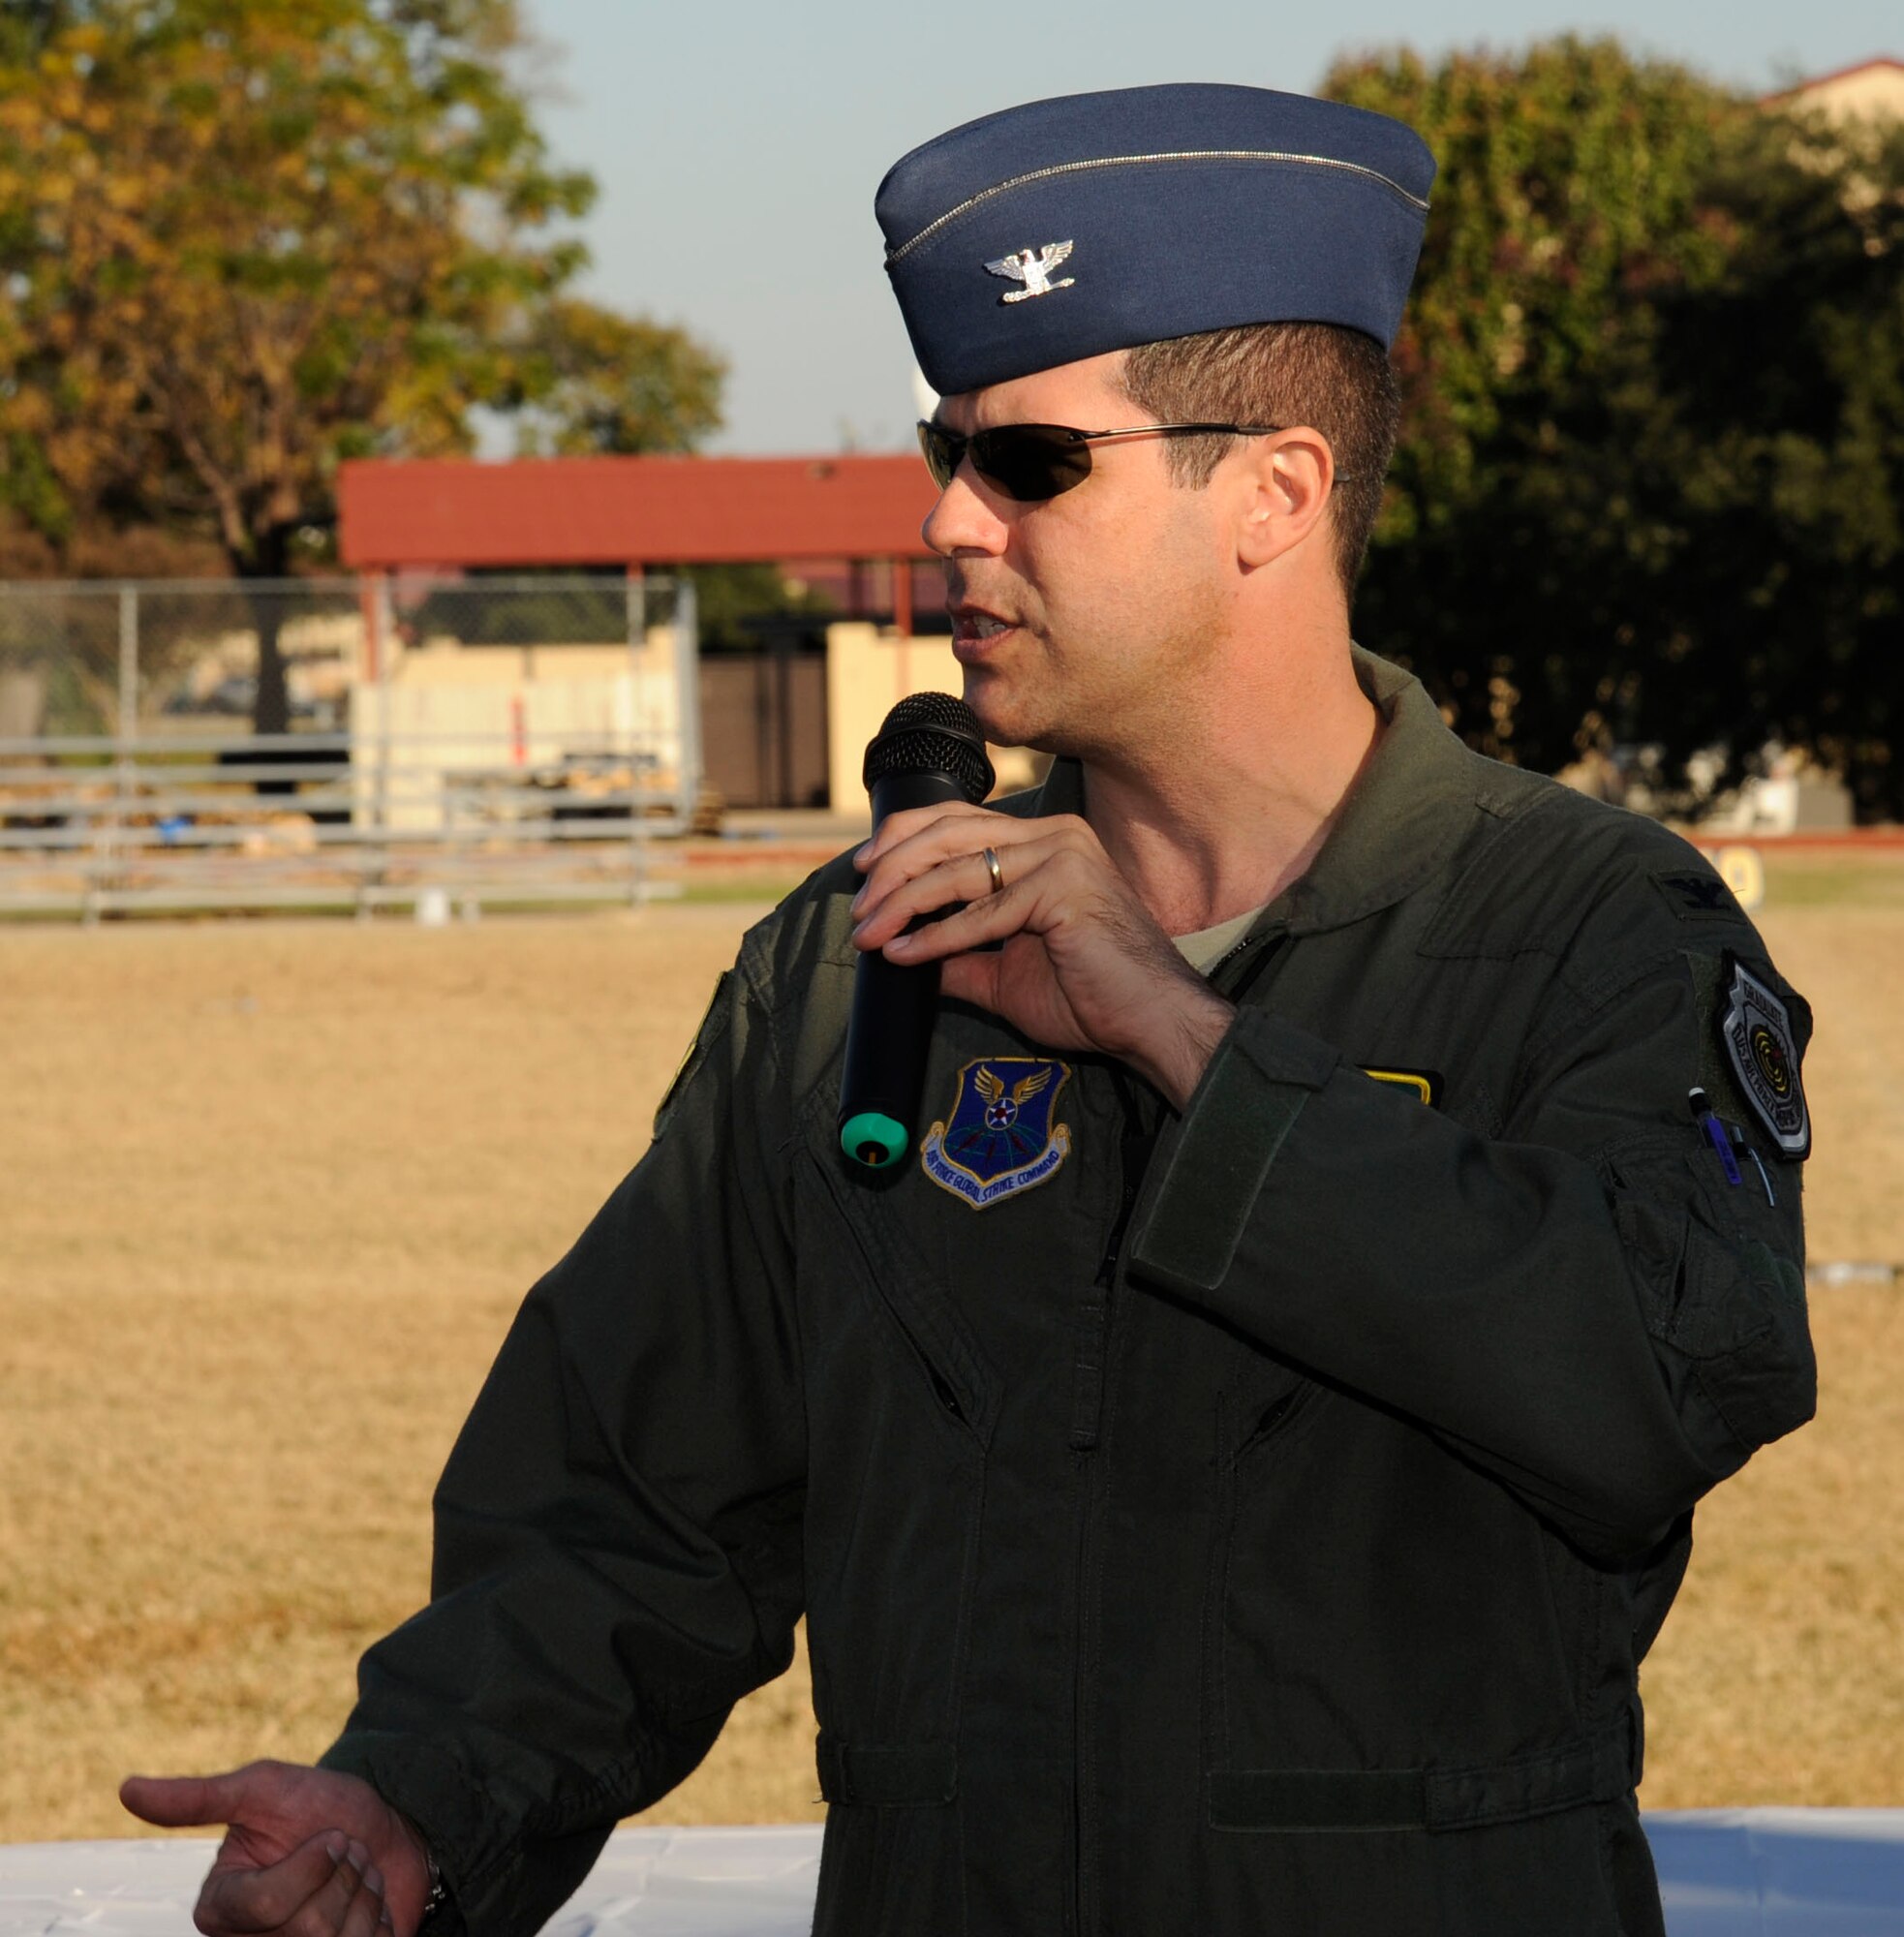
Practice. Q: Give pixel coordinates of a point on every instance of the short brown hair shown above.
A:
(1339, 380)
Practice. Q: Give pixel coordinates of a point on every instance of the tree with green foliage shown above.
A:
(592, 384)
(1783, 455)
(1652, 467)
(241, 241)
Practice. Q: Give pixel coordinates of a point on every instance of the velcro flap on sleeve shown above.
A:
(1259, 1079)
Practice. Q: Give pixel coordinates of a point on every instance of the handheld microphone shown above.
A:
(929, 750)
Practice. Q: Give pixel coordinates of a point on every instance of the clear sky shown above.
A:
(738, 143)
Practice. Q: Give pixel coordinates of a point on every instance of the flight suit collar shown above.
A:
(1412, 804)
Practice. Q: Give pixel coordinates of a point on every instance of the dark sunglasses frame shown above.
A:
(1032, 462)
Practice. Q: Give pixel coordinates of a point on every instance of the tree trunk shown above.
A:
(271, 707)
(271, 710)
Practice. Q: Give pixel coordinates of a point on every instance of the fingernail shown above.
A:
(360, 1857)
(901, 941)
(853, 907)
(862, 850)
(334, 1848)
(372, 1880)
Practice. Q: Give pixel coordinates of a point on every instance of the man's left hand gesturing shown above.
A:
(1082, 965)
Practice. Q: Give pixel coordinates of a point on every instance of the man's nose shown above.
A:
(962, 521)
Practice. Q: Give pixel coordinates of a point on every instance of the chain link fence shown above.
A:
(325, 741)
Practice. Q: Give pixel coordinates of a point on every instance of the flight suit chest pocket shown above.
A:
(855, 1239)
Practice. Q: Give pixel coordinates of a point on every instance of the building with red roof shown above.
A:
(849, 517)
(783, 722)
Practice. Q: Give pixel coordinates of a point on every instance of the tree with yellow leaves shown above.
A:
(243, 239)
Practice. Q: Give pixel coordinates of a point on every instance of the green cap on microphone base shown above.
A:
(873, 1138)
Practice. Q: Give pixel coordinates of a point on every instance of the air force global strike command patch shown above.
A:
(1757, 1033)
(1001, 1139)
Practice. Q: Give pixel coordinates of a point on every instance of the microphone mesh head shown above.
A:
(932, 733)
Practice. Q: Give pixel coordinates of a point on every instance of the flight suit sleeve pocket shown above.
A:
(1721, 1294)
(1743, 1321)
(1655, 1238)
(1696, 1246)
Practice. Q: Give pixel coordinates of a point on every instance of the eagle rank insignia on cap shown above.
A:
(1033, 268)
(1198, 206)
(1000, 1139)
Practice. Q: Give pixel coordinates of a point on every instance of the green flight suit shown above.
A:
(1252, 1523)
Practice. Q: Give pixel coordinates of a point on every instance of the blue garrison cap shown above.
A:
(1094, 222)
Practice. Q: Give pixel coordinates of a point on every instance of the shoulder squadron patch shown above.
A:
(1757, 1033)
(1000, 1138)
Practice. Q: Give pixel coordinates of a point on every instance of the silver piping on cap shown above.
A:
(986, 195)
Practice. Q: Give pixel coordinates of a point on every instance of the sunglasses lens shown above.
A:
(1030, 462)
(942, 450)
(1027, 462)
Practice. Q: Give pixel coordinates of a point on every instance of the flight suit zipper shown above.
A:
(1094, 1344)
(1142, 1122)
(1094, 1314)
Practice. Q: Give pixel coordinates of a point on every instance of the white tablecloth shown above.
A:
(1725, 1873)
(649, 1883)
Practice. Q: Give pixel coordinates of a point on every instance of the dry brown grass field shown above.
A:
(274, 1189)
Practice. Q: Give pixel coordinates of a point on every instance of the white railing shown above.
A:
(465, 741)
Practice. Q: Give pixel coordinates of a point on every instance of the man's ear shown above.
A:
(1286, 494)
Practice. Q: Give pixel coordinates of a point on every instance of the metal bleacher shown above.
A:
(518, 742)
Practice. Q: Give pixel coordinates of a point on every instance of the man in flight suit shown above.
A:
(1233, 1469)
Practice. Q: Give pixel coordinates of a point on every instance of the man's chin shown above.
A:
(1009, 718)
(989, 695)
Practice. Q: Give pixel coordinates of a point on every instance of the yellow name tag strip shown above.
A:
(1423, 1083)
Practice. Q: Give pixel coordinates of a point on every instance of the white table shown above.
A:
(1724, 1873)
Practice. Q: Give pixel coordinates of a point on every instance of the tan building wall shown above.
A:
(1872, 92)
(869, 670)
(448, 715)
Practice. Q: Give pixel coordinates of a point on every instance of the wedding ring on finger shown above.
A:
(991, 859)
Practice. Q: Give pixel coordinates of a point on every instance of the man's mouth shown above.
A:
(974, 630)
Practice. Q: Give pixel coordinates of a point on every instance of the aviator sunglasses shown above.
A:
(1030, 462)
